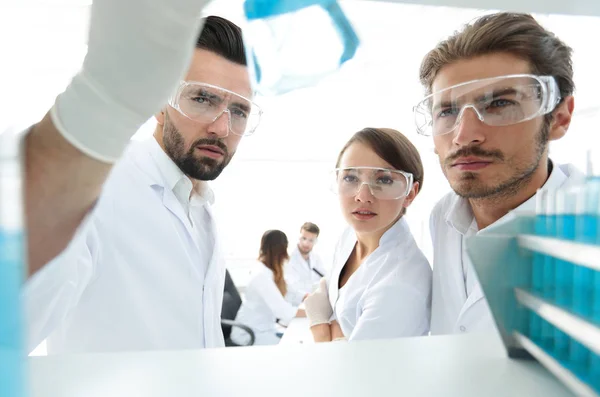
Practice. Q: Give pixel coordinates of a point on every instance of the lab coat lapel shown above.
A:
(155, 179)
(475, 296)
(214, 267)
(348, 241)
(170, 201)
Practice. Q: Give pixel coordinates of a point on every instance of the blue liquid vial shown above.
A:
(12, 268)
(579, 357)
(566, 201)
(586, 232)
(593, 228)
(282, 56)
(537, 267)
(595, 370)
(549, 280)
(596, 302)
(549, 270)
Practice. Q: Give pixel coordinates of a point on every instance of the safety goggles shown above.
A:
(383, 183)
(205, 103)
(497, 101)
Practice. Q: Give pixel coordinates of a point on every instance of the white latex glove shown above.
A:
(138, 50)
(317, 307)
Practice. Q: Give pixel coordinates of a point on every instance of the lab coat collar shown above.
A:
(460, 216)
(398, 232)
(311, 255)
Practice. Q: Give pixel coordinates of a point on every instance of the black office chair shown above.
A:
(232, 301)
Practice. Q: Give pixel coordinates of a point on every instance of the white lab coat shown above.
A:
(458, 302)
(302, 275)
(389, 295)
(263, 304)
(131, 279)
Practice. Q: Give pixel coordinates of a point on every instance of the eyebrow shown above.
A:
(376, 171)
(498, 93)
(479, 99)
(242, 106)
(206, 93)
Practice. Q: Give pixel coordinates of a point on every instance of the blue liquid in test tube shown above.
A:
(591, 235)
(548, 289)
(586, 231)
(549, 269)
(583, 277)
(537, 268)
(566, 199)
(12, 265)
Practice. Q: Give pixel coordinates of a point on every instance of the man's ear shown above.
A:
(561, 118)
(160, 117)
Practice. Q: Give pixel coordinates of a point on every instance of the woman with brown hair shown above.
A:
(265, 301)
(380, 285)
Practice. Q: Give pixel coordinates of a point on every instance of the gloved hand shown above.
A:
(138, 50)
(317, 307)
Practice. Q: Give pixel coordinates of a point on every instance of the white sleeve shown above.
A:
(268, 290)
(294, 296)
(392, 310)
(51, 293)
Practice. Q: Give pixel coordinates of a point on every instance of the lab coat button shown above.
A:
(463, 328)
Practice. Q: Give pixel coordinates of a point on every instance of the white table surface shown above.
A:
(463, 365)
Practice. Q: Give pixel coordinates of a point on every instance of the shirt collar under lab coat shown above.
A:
(175, 180)
(460, 216)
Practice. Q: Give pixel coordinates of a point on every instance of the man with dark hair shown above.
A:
(135, 57)
(305, 267)
(499, 91)
(147, 272)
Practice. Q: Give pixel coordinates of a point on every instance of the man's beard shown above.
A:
(203, 168)
(471, 188)
(303, 251)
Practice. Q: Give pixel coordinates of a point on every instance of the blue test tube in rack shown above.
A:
(583, 277)
(549, 269)
(595, 358)
(591, 225)
(537, 268)
(578, 354)
(548, 289)
(590, 234)
(566, 199)
(12, 268)
(537, 277)
(586, 232)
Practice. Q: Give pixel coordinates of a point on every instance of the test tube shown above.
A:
(549, 277)
(12, 267)
(566, 200)
(565, 229)
(537, 268)
(548, 289)
(595, 228)
(586, 231)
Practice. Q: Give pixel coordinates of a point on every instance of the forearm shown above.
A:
(336, 331)
(61, 185)
(321, 332)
